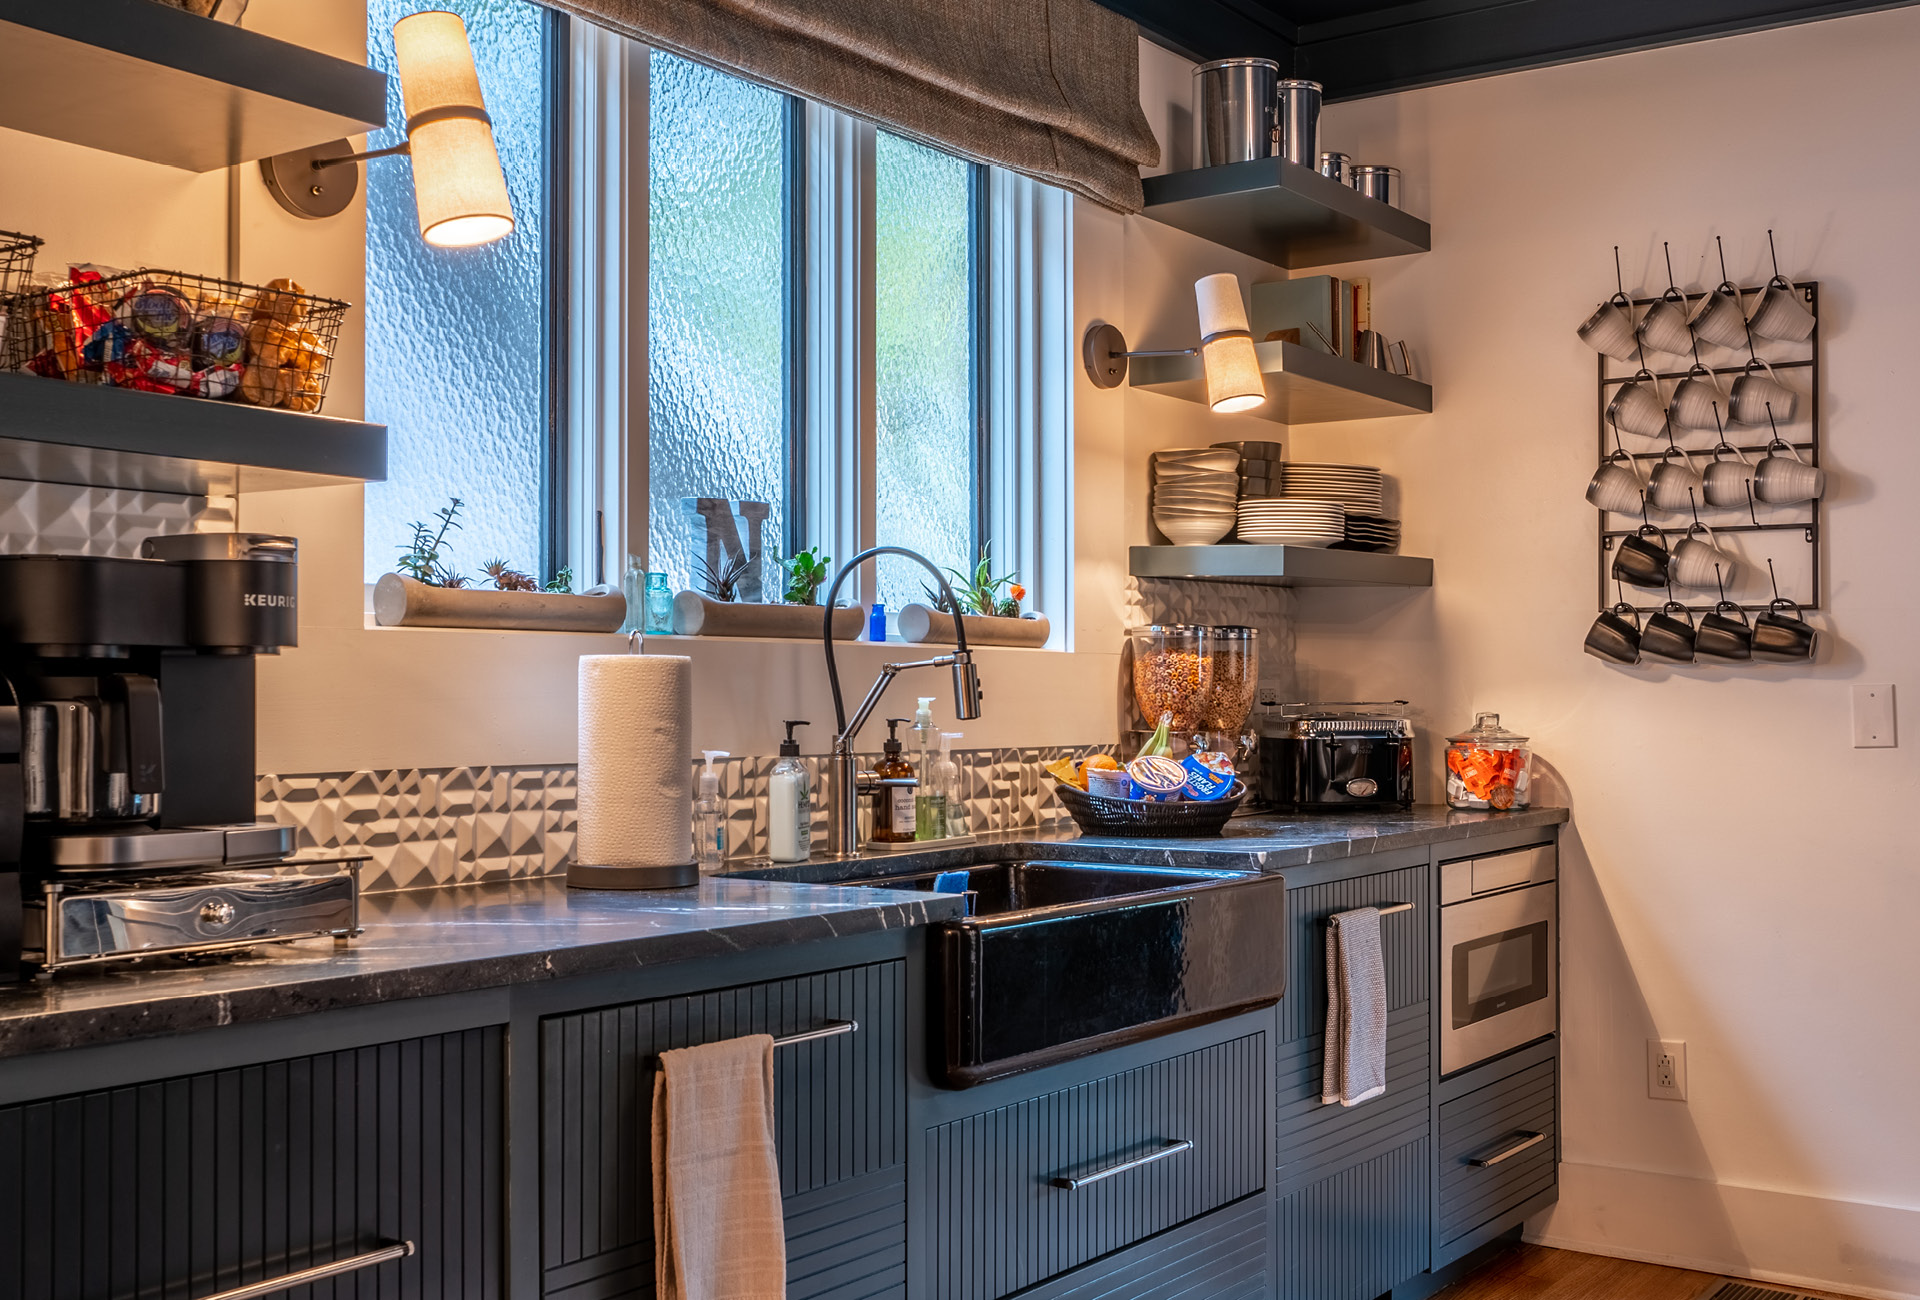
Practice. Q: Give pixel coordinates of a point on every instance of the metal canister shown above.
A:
(1299, 121)
(1376, 182)
(1234, 109)
(1334, 166)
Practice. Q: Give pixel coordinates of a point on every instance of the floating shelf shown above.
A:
(141, 79)
(1281, 212)
(95, 436)
(1304, 385)
(1280, 566)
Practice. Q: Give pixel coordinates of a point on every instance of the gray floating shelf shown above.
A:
(141, 79)
(91, 435)
(1283, 213)
(1304, 385)
(1280, 566)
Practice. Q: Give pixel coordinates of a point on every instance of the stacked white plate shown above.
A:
(1357, 487)
(1194, 492)
(1371, 533)
(1292, 521)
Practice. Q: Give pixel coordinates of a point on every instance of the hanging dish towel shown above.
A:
(1356, 1057)
(717, 1228)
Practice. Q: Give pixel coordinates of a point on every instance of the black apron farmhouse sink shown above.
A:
(1058, 960)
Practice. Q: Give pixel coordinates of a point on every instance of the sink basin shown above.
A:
(1061, 959)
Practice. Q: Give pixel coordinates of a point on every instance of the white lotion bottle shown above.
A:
(709, 831)
(789, 804)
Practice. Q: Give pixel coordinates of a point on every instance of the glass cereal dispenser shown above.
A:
(1488, 767)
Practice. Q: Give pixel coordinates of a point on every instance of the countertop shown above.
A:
(451, 940)
(468, 937)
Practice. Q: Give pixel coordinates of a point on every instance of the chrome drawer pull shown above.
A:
(1388, 909)
(1488, 1162)
(832, 1029)
(318, 1273)
(1170, 1149)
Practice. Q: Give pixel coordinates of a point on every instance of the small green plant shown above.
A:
(561, 583)
(806, 573)
(980, 593)
(508, 579)
(423, 558)
(724, 584)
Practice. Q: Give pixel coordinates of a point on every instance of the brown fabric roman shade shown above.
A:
(1049, 88)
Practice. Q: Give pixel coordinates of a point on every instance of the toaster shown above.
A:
(1336, 757)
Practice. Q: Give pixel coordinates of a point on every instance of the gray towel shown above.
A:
(1356, 1058)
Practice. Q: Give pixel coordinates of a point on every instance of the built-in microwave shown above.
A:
(1499, 954)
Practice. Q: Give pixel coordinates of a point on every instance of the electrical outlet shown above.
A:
(1873, 717)
(1666, 1069)
(1269, 697)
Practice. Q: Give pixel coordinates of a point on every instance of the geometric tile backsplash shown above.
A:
(45, 518)
(427, 827)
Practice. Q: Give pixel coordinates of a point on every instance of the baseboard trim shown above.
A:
(1780, 1238)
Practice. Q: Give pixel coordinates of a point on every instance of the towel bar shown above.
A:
(832, 1029)
(1389, 909)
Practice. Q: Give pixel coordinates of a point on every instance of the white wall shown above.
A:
(1738, 876)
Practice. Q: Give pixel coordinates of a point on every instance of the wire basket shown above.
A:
(168, 332)
(1097, 814)
(16, 263)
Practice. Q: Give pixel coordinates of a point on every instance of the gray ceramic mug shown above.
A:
(1610, 328)
(1781, 638)
(1675, 484)
(1781, 313)
(1696, 401)
(1669, 635)
(1762, 399)
(1616, 485)
(1664, 327)
(1728, 482)
(1725, 634)
(1641, 562)
(1721, 319)
(1701, 565)
(1786, 480)
(1615, 635)
(1636, 406)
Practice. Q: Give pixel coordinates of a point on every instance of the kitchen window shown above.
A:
(464, 363)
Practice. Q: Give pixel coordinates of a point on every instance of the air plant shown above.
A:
(806, 573)
(724, 584)
(508, 579)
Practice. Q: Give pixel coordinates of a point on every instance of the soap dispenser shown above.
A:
(946, 779)
(926, 744)
(709, 831)
(893, 803)
(789, 804)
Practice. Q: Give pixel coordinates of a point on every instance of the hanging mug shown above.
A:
(1728, 482)
(1610, 328)
(1636, 406)
(1664, 327)
(1616, 485)
(1721, 319)
(1781, 638)
(1615, 635)
(1675, 485)
(1725, 634)
(1696, 400)
(1781, 313)
(1669, 635)
(1780, 481)
(1640, 562)
(1700, 565)
(1754, 393)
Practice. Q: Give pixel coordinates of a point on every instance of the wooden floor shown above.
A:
(1536, 1273)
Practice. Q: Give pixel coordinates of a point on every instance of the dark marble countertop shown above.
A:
(450, 940)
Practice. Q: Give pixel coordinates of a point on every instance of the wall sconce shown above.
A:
(458, 187)
(1226, 350)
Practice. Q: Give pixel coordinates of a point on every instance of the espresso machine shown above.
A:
(127, 757)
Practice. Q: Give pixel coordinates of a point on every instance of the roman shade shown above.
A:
(1047, 88)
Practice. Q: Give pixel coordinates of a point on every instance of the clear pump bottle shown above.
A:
(709, 831)
(926, 743)
(790, 804)
(953, 802)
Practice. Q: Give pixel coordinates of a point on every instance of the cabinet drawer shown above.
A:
(839, 1108)
(1360, 1232)
(999, 1218)
(1315, 1138)
(1405, 941)
(1499, 1148)
(212, 1181)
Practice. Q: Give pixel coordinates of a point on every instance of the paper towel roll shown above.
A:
(636, 770)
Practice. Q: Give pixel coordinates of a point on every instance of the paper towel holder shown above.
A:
(591, 875)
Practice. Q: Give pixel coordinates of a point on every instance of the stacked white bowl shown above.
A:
(1194, 494)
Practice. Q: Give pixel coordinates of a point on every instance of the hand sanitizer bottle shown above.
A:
(709, 833)
(925, 738)
(952, 798)
(789, 804)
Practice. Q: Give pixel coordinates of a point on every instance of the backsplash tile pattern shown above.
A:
(60, 518)
(463, 825)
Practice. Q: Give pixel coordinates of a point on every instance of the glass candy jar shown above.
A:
(1488, 767)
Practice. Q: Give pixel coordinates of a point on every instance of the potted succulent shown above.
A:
(990, 606)
(718, 612)
(427, 591)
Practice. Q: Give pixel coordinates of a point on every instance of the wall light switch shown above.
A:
(1873, 717)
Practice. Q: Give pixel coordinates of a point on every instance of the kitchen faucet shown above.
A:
(845, 780)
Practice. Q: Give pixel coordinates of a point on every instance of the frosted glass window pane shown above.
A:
(922, 353)
(715, 302)
(454, 346)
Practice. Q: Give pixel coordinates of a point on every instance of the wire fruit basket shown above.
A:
(169, 332)
(1098, 814)
(16, 264)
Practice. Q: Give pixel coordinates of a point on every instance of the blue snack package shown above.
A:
(1209, 776)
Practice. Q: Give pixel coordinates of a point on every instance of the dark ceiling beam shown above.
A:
(1435, 41)
(1213, 29)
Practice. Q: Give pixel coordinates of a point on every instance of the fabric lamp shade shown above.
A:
(458, 186)
(1234, 382)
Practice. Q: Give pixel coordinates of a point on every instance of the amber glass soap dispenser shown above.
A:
(893, 804)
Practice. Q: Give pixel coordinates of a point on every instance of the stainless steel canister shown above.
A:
(1300, 121)
(1235, 109)
(1334, 166)
(1381, 183)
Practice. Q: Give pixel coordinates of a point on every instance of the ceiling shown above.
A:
(1369, 47)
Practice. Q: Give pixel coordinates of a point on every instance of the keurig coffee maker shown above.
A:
(127, 756)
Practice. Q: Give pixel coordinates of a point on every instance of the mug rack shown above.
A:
(1759, 524)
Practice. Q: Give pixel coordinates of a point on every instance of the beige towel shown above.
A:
(1355, 1065)
(717, 1228)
